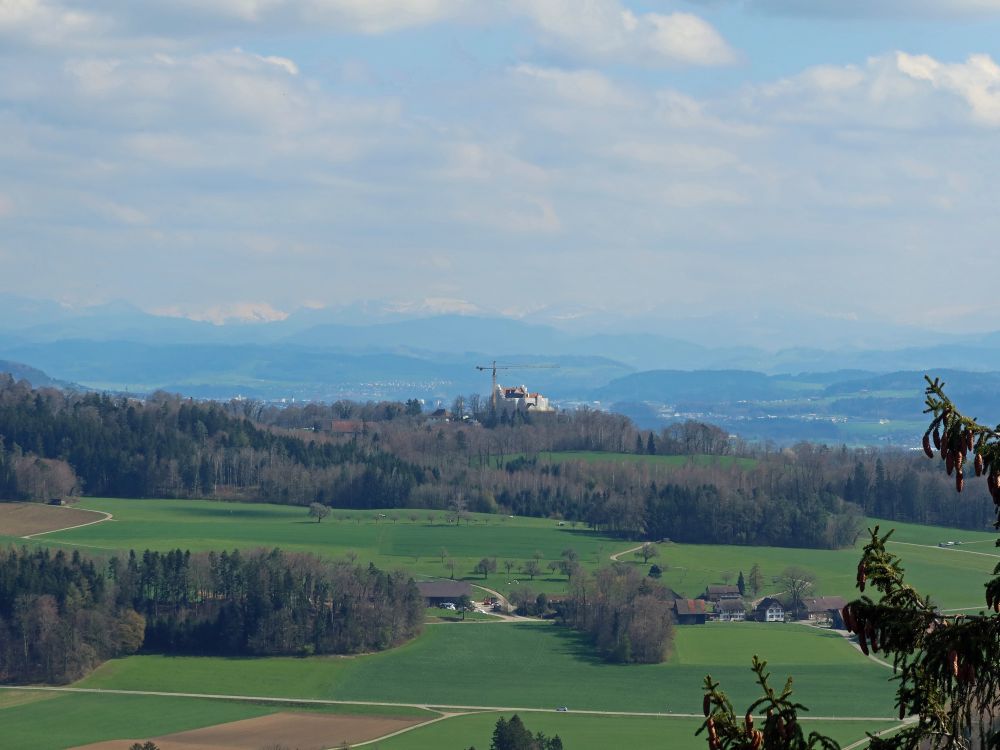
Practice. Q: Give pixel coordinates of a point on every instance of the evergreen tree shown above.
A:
(741, 584)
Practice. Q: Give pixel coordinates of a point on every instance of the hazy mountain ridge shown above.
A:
(362, 354)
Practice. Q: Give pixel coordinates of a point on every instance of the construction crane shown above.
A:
(494, 367)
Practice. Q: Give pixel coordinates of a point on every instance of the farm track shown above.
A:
(439, 707)
(616, 555)
(107, 517)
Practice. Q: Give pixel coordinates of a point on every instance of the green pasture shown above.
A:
(413, 540)
(536, 665)
(582, 732)
(53, 721)
(409, 539)
(953, 576)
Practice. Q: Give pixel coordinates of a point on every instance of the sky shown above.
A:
(227, 159)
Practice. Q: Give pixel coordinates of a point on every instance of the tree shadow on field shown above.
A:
(578, 646)
(588, 533)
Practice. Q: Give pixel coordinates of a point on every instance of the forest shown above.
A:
(61, 615)
(55, 443)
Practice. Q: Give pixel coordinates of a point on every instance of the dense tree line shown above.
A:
(806, 495)
(170, 447)
(60, 616)
(627, 617)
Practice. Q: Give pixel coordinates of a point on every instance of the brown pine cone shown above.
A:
(927, 445)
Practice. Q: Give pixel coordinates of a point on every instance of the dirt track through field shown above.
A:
(28, 520)
(304, 731)
(447, 707)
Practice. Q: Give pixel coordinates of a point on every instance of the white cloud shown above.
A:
(871, 8)
(45, 22)
(900, 91)
(607, 30)
(976, 81)
(697, 195)
(587, 87)
(675, 155)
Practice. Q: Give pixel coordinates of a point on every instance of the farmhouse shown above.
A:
(690, 611)
(823, 609)
(731, 610)
(439, 592)
(721, 593)
(770, 610)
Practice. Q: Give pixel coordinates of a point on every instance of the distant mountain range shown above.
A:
(655, 376)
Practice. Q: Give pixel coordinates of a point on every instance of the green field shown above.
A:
(498, 665)
(953, 576)
(536, 666)
(53, 721)
(403, 539)
(593, 732)
(413, 540)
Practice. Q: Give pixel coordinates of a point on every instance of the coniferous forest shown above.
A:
(61, 615)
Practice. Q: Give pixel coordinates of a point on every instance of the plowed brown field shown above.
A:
(302, 731)
(21, 519)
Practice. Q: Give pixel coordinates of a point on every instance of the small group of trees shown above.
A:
(513, 735)
(627, 616)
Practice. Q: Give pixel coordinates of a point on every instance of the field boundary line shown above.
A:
(398, 732)
(429, 706)
(107, 517)
(945, 549)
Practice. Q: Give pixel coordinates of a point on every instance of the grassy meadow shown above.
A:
(27, 717)
(536, 666)
(592, 732)
(493, 665)
(413, 540)
(953, 576)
